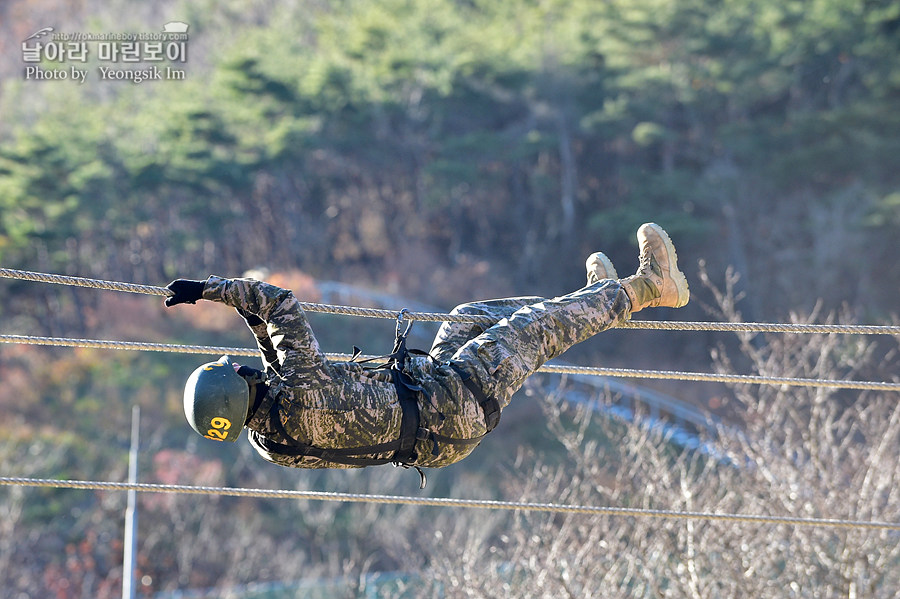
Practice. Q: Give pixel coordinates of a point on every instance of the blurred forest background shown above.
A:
(439, 152)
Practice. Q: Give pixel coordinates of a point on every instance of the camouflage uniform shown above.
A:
(333, 405)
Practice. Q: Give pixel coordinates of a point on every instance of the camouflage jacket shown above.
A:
(338, 405)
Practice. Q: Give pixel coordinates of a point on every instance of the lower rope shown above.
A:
(551, 368)
(448, 502)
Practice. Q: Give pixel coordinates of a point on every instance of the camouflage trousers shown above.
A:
(528, 331)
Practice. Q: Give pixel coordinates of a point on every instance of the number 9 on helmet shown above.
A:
(216, 401)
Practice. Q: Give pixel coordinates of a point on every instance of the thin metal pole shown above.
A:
(131, 515)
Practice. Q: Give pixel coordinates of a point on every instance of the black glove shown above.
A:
(186, 292)
(251, 318)
(251, 375)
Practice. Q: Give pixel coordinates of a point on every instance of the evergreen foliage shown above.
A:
(451, 150)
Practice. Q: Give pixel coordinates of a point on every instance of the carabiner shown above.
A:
(400, 323)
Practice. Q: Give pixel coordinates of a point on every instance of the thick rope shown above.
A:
(25, 275)
(308, 306)
(449, 502)
(722, 378)
(749, 327)
(129, 345)
(762, 327)
(551, 368)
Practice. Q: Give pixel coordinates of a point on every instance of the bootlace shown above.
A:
(649, 265)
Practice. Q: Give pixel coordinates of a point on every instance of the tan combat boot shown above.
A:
(599, 267)
(658, 282)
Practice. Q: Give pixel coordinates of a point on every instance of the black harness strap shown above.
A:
(349, 456)
(260, 390)
(489, 405)
(410, 431)
(402, 449)
(408, 391)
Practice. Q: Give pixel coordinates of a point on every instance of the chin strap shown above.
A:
(256, 380)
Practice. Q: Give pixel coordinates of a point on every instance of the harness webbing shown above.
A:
(402, 449)
(489, 405)
(410, 419)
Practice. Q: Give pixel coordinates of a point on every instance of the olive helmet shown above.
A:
(216, 401)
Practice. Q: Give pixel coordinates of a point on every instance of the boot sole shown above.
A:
(682, 291)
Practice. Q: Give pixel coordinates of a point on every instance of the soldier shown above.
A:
(305, 411)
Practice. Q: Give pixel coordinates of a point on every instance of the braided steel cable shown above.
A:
(749, 327)
(550, 368)
(450, 502)
(308, 306)
(447, 502)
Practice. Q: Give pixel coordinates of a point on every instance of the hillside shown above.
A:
(442, 152)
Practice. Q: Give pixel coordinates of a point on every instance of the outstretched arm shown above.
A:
(263, 341)
(291, 342)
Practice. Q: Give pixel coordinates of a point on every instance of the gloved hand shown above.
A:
(186, 292)
(251, 375)
(252, 319)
